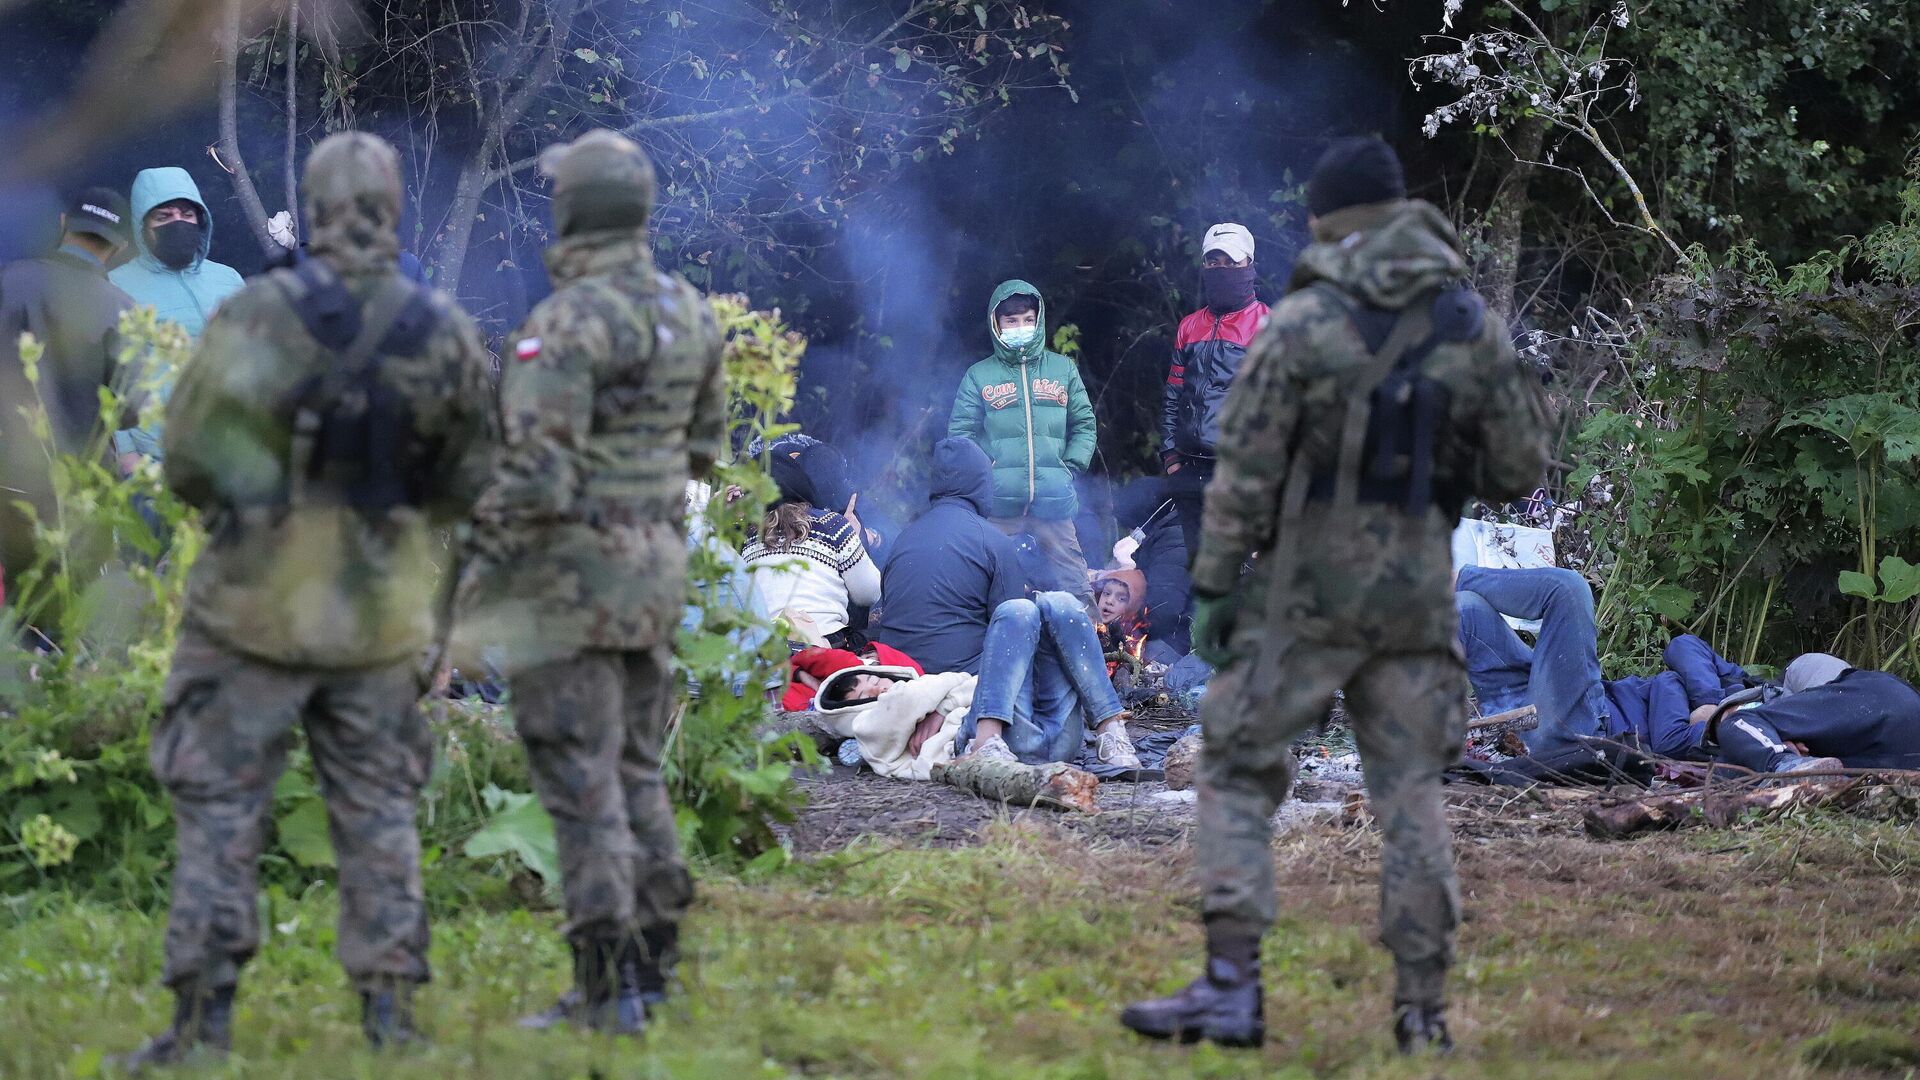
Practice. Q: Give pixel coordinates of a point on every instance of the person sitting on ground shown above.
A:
(1042, 675)
(1825, 714)
(950, 569)
(1560, 675)
(809, 564)
(955, 600)
(1157, 549)
(1121, 614)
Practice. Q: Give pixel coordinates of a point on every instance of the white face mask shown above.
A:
(1019, 337)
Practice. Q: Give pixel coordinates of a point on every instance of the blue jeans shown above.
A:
(1559, 675)
(1043, 674)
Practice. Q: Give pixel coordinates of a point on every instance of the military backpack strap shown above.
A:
(345, 416)
(1410, 326)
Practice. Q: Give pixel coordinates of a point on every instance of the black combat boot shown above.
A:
(605, 994)
(386, 1016)
(652, 960)
(1421, 1027)
(1419, 1018)
(202, 1026)
(1223, 1005)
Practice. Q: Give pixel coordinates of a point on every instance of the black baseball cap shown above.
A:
(102, 212)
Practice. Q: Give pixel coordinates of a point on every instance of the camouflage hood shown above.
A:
(1385, 253)
(352, 200)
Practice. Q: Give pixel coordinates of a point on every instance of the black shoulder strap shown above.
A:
(325, 307)
(334, 319)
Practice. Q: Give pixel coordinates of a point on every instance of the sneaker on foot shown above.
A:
(1114, 748)
(1795, 763)
(994, 749)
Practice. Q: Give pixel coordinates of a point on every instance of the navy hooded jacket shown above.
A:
(950, 569)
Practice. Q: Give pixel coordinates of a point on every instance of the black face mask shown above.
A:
(176, 244)
(1228, 288)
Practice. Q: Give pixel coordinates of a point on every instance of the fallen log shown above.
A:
(1055, 786)
(1886, 799)
(806, 723)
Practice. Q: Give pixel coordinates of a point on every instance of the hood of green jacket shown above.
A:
(163, 185)
(1034, 349)
(1385, 253)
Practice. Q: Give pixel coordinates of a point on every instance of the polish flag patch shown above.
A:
(527, 349)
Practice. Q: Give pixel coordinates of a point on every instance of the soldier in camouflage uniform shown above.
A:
(334, 416)
(611, 393)
(1379, 397)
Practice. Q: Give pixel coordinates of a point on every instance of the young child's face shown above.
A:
(1113, 601)
(869, 687)
(1012, 322)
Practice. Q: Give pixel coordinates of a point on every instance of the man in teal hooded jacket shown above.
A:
(170, 272)
(1027, 408)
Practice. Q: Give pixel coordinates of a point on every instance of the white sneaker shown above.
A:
(1114, 748)
(994, 749)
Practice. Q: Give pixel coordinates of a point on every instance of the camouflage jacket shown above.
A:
(610, 394)
(1371, 575)
(317, 585)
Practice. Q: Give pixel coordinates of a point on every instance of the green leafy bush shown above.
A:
(81, 810)
(1753, 471)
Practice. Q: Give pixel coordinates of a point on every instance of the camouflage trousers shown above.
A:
(220, 747)
(1408, 716)
(593, 726)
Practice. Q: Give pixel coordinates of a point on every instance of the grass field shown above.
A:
(1782, 951)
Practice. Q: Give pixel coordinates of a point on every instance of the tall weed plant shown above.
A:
(1751, 477)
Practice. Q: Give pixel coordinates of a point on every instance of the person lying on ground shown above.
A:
(809, 564)
(1028, 409)
(950, 569)
(1559, 675)
(903, 721)
(1825, 714)
(1042, 677)
(812, 667)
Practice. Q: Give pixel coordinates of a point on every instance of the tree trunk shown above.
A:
(1507, 214)
(230, 154)
(535, 62)
(1055, 786)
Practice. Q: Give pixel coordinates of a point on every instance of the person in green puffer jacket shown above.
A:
(1028, 409)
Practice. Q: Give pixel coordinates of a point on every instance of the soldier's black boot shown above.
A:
(1419, 1018)
(1223, 1005)
(386, 1016)
(202, 1027)
(605, 994)
(652, 960)
(1421, 1027)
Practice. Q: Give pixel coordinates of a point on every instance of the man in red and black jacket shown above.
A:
(1206, 356)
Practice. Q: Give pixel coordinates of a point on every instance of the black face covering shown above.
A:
(176, 244)
(1227, 288)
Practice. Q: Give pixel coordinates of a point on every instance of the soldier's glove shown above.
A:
(1213, 620)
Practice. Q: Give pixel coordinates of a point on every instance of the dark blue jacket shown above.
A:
(950, 568)
(1654, 709)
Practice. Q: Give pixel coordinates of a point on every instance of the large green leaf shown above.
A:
(303, 833)
(1899, 580)
(519, 826)
(1855, 583)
